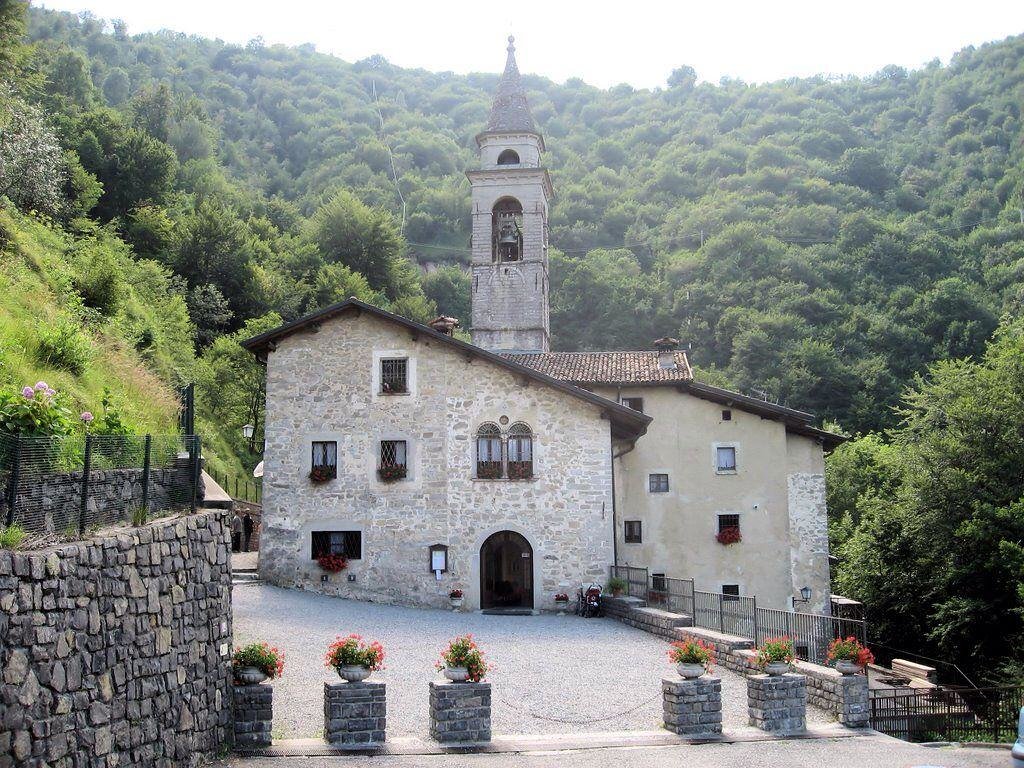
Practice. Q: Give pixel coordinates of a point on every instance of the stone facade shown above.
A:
(692, 707)
(460, 711)
(253, 710)
(778, 704)
(115, 650)
(321, 386)
(355, 713)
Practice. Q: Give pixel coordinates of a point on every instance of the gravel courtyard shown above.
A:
(549, 672)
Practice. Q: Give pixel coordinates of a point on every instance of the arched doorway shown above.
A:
(506, 571)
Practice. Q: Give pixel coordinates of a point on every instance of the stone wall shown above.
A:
(53, 502)
(114, 651)
(320, 386)
(631, 611)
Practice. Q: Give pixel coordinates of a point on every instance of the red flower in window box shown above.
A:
(322, 474)
(520, 470)
(389, 473)
(488, 470)
(332, 563)
(730, 535)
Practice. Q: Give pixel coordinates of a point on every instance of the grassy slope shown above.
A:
(34, 287)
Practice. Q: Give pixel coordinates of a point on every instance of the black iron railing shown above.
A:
(637, 581)
(65, 485)
(238, 488)
(948, 714)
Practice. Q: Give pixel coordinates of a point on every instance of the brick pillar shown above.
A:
(355, 713)
(854, 709)
(460, 711)
(692, 707)
(253, 715)
(778, 704)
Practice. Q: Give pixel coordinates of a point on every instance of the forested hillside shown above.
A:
(829, 242)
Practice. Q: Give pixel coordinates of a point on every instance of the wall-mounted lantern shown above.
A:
(438, 559)
(805, 595)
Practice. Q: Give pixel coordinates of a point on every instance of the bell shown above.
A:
(508, 237)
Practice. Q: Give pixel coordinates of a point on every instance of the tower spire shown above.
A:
(510, 111)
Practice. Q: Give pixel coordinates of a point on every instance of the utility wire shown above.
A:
(391, 155)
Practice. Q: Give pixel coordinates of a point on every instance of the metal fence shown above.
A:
(739, 614)
(66, 485)
(238, 488)
(948, 714)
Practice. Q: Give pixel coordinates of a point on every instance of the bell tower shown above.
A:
(510, 197)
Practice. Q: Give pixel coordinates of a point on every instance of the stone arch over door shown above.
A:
(506, 571)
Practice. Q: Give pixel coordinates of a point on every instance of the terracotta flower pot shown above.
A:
(353, 673)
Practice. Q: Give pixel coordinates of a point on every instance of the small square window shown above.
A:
(348, 544)
(725, 458)
(730, 591)
(393, 453)
(394, 376)
(727, 415)
(658, 583)
(636, 403)
(633, 533)
(657, 483)
(728, 521)
(324, 461)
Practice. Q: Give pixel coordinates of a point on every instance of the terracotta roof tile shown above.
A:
(605, 367)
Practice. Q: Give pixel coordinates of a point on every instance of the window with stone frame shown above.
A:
(633, 532)
(520, 451)
(393, 463)
(324, 460)
(657, 482)
(394, 376)
(725, 458)
(348, 544)
(489, 460)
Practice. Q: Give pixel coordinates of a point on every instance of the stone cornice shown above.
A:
(499, 175)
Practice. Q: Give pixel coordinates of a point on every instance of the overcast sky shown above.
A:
(637, 42)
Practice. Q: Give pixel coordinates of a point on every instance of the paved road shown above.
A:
(870, 752)
(566, 669)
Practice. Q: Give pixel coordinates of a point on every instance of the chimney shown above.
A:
(667, 352)
(444, 324)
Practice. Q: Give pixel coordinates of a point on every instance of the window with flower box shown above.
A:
(489, 465)
(729, 529)
(393, 464)
(348, 544)
(394, 376)
(520, 452)
(324, 461)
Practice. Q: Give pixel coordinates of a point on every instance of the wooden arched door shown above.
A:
(506, 571)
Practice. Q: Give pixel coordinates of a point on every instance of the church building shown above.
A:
(511, 472)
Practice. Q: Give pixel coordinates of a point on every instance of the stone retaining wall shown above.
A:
(114, 651)
(845, 697)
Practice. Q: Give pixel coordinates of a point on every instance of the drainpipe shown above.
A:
(615, 523)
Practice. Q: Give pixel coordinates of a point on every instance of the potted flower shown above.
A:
(520, 470)
(255, 663)
(488, 470)
(332, 563)
(848, 655)
(321, 474)
(775, 656)
(561, 600)
(729, 535)
(353, 659)
(692, 657)
(462, 661)
(455, 598)
(389, 473)
(616, 586)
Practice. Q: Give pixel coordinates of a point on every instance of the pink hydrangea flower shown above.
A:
(86, 416)
(28, 392)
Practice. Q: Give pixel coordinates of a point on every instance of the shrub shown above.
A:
(616, 584)
(12, 536)
(463, 652)
(351, 651)
(64, 346)
(266, 658)
(139, 516)
(97, 279)
(849, 649)
(34, 412)
(692, 652)
(775, 649)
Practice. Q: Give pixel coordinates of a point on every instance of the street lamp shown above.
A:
(805, 595)
(248, 431)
